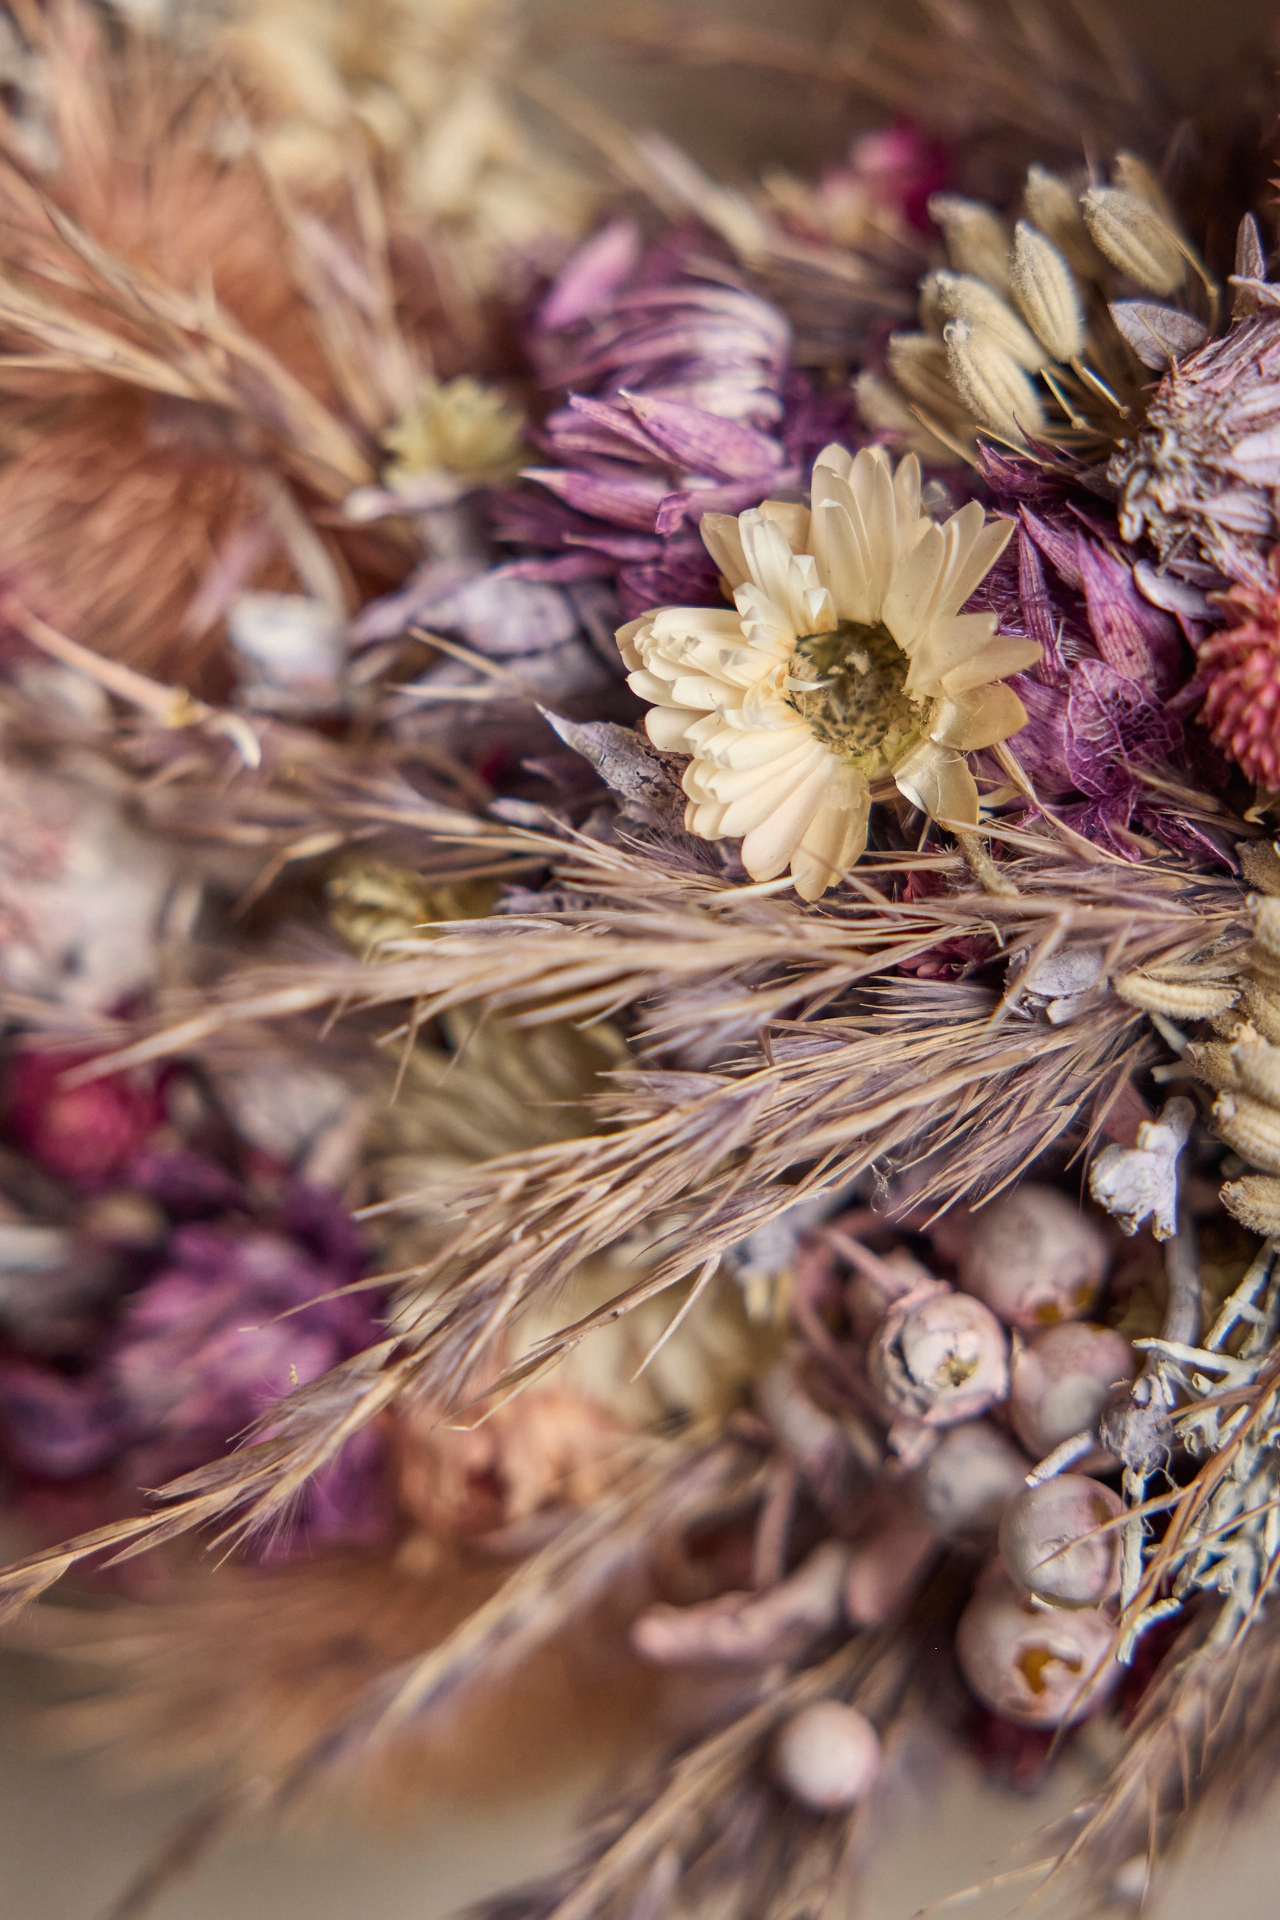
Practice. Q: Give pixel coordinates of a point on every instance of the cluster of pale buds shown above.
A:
(1024, 337)
(973, 1383)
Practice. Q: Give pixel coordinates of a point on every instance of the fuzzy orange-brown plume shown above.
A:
(171, 410)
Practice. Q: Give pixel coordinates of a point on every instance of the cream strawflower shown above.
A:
(844, 661)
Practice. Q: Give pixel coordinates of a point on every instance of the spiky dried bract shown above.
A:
(1202, 471)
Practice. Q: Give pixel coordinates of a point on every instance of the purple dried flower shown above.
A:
(684, 403)
(1107, 702)
(235, 1318)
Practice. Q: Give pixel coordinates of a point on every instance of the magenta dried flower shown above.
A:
(681, 401)
(83, 1134)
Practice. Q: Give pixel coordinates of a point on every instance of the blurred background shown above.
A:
(68, 1843)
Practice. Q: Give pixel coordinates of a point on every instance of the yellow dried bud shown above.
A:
(1251, 1127)
(977, 241)
(991, 383)
(1135, 238)
(1045, 289)
(1266, 926)
(1054, 207)
(1257, 1064)
(959, 296)
(1254, 1202)
(1176, 999)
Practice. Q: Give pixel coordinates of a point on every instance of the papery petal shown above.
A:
(947, 645)
(975, 554)
(768, 848)
(978, 719)
(909, 604)
(835, 840)
(793, 519)
(666, 727)
(723, 540)
(840, 554)
(755, 794)
(938, 781)
(1007, 653)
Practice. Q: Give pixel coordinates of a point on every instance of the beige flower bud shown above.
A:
(1054, 207)
(1045, 289)
(921, 367)
(885, 410)
(976, 239)
(959, 296)
(1135, 238)
(1136, 177)
(991, 383)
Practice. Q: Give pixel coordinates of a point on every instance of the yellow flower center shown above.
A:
(857, 705)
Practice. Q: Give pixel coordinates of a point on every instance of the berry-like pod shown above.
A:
(1060, 1381)
(940, 1359)
(1033, 1257)
(968, 1480)
(1035, 1667)
(826, 1756)
(1050, 1544)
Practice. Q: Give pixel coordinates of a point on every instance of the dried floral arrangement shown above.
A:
(641, 933)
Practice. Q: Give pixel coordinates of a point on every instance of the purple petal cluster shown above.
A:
(190, 1305)
(1108, 702)
(682, 402)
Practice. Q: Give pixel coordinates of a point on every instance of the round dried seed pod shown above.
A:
(826, 1756)
(968, 1480)
(1135, 237)
(940, 1359)
(1034, 1257)
(1061, 1380)
(1050, 1544)
(1035, 1667)
(1045, 289)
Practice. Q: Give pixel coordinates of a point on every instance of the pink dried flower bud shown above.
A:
(1061, 1380)
(940, 1359)
(969, 1479)
(1050, 1544)
(1034, 1257)
(885, 1568)
(826, 1756)
(1035, 1667)
(749, 1629)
